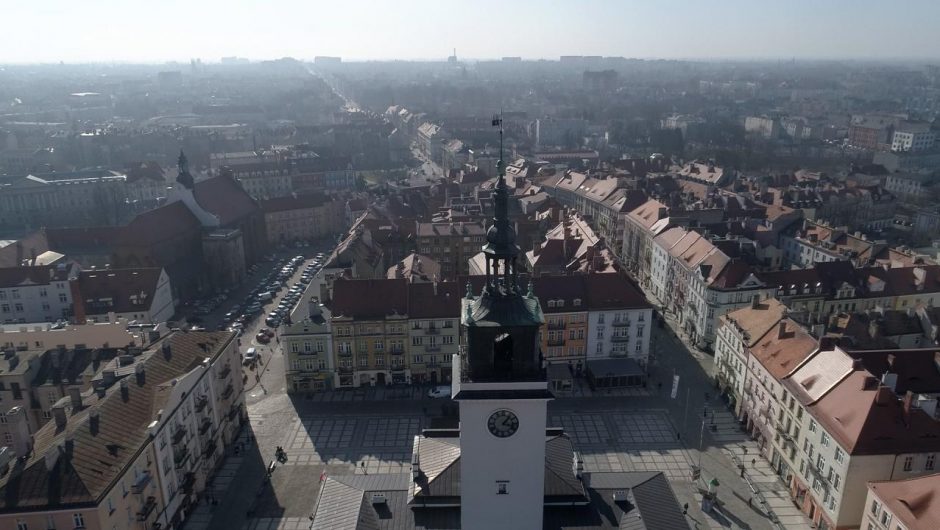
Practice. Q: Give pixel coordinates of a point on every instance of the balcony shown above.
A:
(227, 393)
(432, 349)
(620, 323)
(561, 324)
(556, 342)
(140, 483)
(146, 508)
(201, 403)
(225, 371)
(345, 369)
(397, 351)
(180, 457)
(432, 330)
(344, 353)
(178, 435)
(205, 425)
(620, 338)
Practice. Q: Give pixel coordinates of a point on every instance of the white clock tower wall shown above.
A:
(487, 460)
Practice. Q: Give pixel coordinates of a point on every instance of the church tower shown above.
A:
(500, 386)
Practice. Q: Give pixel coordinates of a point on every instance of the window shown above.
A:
(502, 487)
(79, 519)
(885, 518)
(824, 440)
(42, 292)
(840, 456)
(308, 346)
(416, 341)
(836, 481)
(294, 347)
(5, 308)
(295, 364)
(875, 507)
(639, 331)
(21, 525)
(812, 425)
(418, 359)
(908, 463)
(3, 419)
(448, 339)
(8, 438)
(577, 302)
(18, 307)
(363, 361)
(63, 298)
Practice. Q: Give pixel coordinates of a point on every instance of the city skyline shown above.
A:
(423, 30)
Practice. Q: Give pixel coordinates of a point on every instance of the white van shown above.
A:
(249, 356)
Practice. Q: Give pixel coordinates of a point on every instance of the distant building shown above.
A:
(451, 244)
(302, 218)
(763, 126)
(140, 295)
(913, 137)
(37, 291)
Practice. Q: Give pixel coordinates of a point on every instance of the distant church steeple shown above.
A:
(185, 177)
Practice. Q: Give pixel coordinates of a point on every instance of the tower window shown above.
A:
(502, 487)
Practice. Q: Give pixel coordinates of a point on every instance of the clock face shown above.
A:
(503, 423)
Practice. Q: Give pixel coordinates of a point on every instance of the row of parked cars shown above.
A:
(252, 307)
(280, 313)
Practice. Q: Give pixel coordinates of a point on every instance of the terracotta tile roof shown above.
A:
(647, 213)
(914, 502)
(756, 322)
(781, 352)
(424, 303)
(224, 197)
(369, 299)
(870, 419)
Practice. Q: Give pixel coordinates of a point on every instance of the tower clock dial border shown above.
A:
(503, 423)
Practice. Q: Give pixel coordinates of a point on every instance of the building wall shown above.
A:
(36, 303)
(620, 333)
(563, 337)
(309, 358)
(362, 351)
(432, 343)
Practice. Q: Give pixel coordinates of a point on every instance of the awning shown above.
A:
(614, 368)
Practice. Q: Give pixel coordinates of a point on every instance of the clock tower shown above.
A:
(500, 386)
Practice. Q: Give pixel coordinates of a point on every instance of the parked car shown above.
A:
(250, 356)
(442, 391)
(262, 338)
(273, 321)
(265, 296)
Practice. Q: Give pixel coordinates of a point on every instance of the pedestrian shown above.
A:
(749, 501)
(678, 435)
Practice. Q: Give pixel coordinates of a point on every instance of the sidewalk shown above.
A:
(232, 489)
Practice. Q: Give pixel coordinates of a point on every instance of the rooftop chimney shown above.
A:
(906, 407)
(75, 394)
(58, 413)
(125, 391)
(755, 301)
(140, 373)
(781, 329)
(93, 421)
(107, 377)
(884, 396)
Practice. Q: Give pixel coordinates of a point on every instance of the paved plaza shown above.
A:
(371, 430)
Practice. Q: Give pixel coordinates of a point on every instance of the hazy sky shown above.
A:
(158, 30)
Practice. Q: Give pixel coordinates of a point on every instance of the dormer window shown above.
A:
(560, 303)
(577, 302)
(551, 303)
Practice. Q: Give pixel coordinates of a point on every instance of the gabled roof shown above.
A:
(160, 224)
(915, 502)
(223, 197)
(369, 299)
